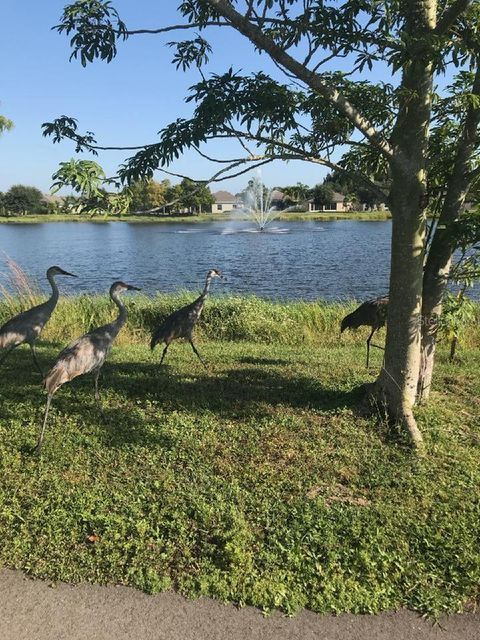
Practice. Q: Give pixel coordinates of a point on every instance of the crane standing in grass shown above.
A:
(372, 313)
(181, 323)
(85, 354)
(27, 326)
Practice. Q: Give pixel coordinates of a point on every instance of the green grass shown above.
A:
(224, 317)
(261, 482)
(233, 318)
(204, 217)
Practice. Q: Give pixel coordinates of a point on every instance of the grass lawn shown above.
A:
(259, 482)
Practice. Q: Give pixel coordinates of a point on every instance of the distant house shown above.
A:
(224, 202)
(52, 200)
(277, 199)
(338, 203)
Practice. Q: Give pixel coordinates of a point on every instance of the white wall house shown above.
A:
(224, 202)
(338, 203)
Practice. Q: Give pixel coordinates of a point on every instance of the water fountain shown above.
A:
(258, 206)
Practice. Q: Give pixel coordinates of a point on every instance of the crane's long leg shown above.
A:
(5, 354)
(38, 446)
(164, 352)
(34, 355)
(368, 345)
(95, 378)
(96, 375)
(97, 395)
(199, 356)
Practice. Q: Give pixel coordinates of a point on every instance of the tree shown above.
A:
(296, 193)
(193, 196)
(456, 174)
(148, 194)
(88, 179)
(22, 199)
(355, 191)
(322, 194)
(5, 124)
(385, 126)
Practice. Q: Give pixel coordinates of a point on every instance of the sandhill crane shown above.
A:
(181, 323)
(372, 313)
(85, 354)
(27, 326)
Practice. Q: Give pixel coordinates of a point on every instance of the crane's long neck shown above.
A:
(52, 301)
(122, 316)
(207, 287)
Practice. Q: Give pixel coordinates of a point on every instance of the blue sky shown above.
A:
(125, 102)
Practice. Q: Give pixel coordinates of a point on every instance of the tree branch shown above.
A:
(449, 16)
(298, 154)
(313, 80)
(474, 174)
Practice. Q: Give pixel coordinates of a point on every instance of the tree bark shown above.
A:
(439, 261)
(396, 386)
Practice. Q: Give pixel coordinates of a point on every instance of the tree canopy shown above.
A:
(21, 199)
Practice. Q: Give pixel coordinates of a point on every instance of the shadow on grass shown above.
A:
(225, 391)
(263, 361)
(148, 390)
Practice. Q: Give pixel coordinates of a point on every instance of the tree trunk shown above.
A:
(396, 386)
(435, 281)
(437, 268)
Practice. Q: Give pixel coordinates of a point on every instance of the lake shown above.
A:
(333, 260)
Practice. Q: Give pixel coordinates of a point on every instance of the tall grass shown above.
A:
(17, 288)
(233, 318)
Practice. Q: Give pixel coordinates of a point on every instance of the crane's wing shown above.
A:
(80, 357)
(25, 326)
(179, 324)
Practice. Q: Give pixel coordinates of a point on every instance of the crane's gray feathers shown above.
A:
(372, 313)
(86, 354)
(80, 357)
(179, 324)
(27, 326)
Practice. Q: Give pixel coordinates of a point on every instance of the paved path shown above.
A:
(35, 610)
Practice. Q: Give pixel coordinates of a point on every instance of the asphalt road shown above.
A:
(36, 610)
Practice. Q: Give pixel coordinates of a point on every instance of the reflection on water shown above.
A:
(335, 259)
(266, 230)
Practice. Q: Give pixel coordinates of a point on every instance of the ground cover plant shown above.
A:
(262, 481)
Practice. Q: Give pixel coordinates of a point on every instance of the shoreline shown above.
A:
(197, 219)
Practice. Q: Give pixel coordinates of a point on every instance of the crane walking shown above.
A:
(86, 354)
(181, 323)
(372, 313)
(27, 326)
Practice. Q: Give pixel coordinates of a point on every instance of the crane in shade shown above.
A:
(372, 313)
(26, 327)
(181, 323)
(86, 354)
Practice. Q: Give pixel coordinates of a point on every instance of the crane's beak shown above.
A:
(66, 273)
(130, 287)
